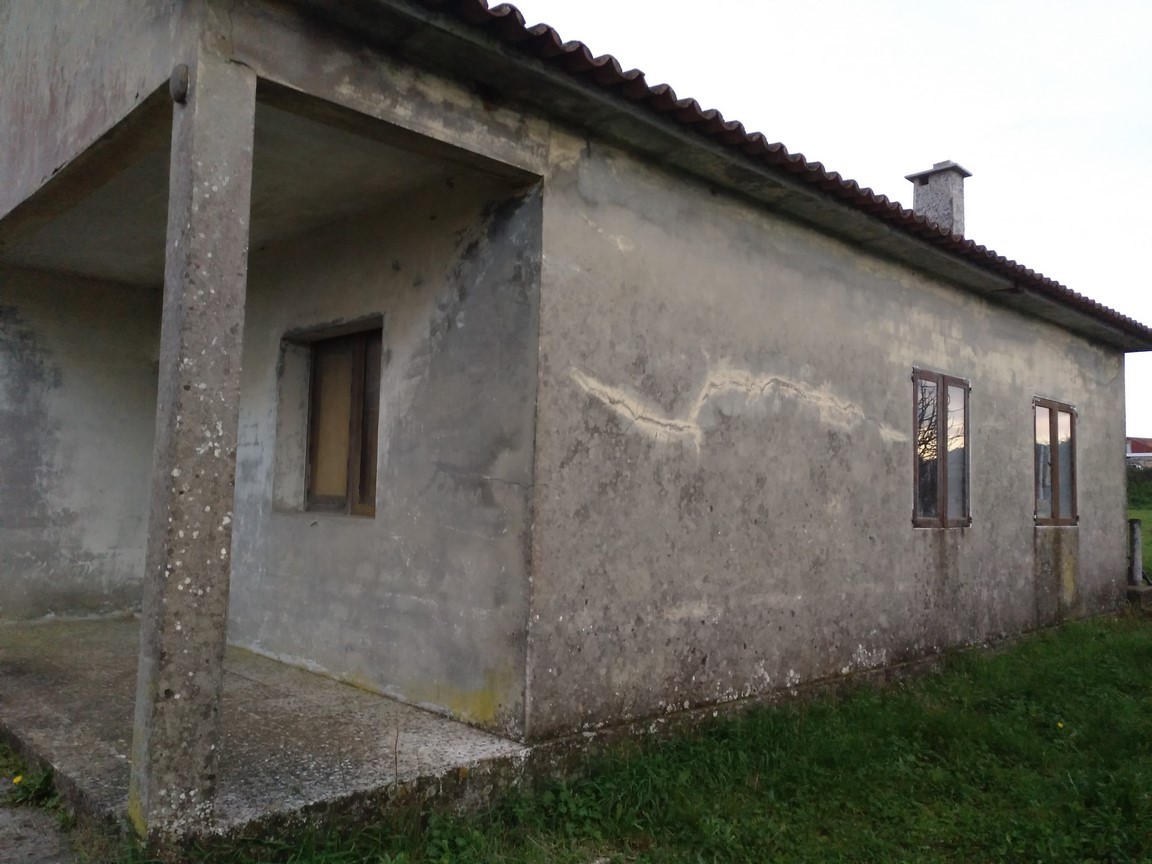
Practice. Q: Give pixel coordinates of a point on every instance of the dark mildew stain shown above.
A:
(27, 375)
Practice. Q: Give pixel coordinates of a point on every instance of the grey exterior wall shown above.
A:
(718, 501)
(427, 601)
(71, 70)
(724, 458)
(77, 411)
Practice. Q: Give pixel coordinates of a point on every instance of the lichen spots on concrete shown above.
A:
(174, 764)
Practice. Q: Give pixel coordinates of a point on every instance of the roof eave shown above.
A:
(532, 66)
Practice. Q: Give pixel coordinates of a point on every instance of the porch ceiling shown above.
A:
(306, 172)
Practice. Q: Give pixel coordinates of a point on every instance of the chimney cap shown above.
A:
(938, 168)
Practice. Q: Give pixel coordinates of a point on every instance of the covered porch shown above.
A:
(291, 743)
(159, 300)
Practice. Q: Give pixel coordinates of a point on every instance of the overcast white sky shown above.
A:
(1047, 103)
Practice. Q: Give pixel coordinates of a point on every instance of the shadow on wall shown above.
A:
(77, 409)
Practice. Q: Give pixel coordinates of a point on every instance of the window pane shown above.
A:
(957, 455)
(1043, 463)
(332, 414)
(370, 420)
(1064, 439)
(927, 448)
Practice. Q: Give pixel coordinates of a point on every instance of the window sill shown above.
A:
(325, 515)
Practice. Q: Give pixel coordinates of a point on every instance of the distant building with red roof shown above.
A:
(1138, 451)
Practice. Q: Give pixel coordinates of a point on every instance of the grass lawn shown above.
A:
(1039, 753)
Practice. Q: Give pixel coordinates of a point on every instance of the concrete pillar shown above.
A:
(188, 563)
(1135, 553)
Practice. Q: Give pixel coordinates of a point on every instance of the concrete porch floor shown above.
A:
(291, 740)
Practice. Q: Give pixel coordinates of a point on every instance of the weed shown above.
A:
(34, 789)
(21, 786)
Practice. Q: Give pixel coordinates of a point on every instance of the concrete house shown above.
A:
(404, 343)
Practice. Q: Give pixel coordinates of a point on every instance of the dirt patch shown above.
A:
(32, 836)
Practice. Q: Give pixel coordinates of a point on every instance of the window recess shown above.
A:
(940, 451)
(1055, 461)
(343, 420)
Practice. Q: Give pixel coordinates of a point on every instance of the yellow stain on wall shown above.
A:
(1068, 579)
(480, 706)
(136, 813)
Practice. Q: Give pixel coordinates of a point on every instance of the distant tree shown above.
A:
(1139, 487)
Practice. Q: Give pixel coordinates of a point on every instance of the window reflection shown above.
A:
(941, 450)
(957, 455)
(1064, 445)
(1055, 463)
(1043, 463)
(927, 448)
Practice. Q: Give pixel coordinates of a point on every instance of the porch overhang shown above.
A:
(138, 208)
(530, 66)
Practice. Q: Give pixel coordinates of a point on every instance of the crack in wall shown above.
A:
(660, 426)
(621, 242)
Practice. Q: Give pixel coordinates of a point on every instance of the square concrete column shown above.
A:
(188, 562)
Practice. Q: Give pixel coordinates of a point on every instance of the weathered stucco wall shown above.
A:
(291, 48)
(77, 409)
(426, 601)
(724, 458)
(720, 500)
(71, 70)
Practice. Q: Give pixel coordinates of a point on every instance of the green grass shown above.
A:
(1140, 488)
(1040, 753)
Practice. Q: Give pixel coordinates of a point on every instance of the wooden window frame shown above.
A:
(1054, 409)
(352, 503)
(941, 520)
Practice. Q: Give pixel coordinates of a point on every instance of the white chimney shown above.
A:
(938, 195)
